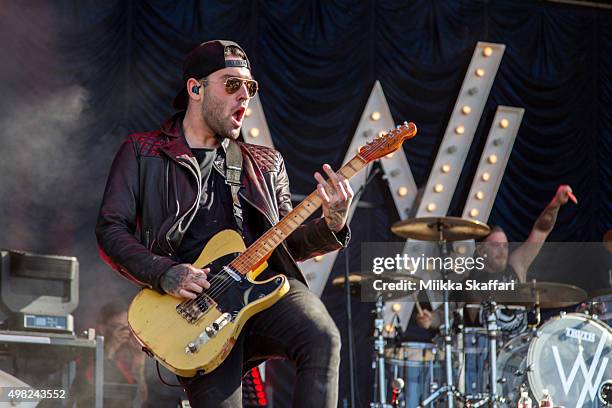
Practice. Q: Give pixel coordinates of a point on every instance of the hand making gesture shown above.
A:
(336, 195)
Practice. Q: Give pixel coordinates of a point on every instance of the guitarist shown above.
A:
(170, 190)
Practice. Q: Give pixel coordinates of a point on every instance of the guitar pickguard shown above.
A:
(238, 293)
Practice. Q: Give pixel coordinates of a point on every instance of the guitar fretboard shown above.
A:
(260, 250)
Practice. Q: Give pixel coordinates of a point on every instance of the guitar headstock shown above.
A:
(388, 143)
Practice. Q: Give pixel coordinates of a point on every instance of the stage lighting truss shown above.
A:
(255, 127)
(451, 157)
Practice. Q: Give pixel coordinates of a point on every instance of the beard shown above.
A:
(212, 114)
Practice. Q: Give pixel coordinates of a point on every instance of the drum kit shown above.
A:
(507, 351)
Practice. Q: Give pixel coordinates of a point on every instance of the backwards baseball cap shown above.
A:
(205, 59)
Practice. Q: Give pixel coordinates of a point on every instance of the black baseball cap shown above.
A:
(205, 59)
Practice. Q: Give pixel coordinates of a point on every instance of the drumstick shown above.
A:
(572, 197)
(417, 304)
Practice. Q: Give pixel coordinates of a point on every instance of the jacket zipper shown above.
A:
(148, 238)
(194, 206)
(167, 188)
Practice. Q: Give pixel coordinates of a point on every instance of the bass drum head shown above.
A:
(570, 357)
(511, 368)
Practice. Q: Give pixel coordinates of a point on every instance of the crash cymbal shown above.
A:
(548, 295)
(360, 281)
(440, 229)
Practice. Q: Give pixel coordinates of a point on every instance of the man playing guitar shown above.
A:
(168, 192)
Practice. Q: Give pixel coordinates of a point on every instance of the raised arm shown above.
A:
(522, 258)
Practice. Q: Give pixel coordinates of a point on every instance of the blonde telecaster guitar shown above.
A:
(191, 336)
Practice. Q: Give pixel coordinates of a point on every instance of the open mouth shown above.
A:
(238, 115)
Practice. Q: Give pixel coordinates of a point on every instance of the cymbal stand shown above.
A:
(491, 399)
(490, 310)
(447, 389)
(380, 384)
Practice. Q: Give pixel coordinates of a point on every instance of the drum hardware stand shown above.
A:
(447, 389)
(490, 311)
(378, 362)
(349, 312)
(349, 324)
(442, 230)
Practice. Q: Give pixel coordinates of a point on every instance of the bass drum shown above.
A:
(569, 356)
(511, 367)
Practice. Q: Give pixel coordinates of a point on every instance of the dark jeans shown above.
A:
(297, 327)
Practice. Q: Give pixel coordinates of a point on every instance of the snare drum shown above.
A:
(570, 356)
(419, 365)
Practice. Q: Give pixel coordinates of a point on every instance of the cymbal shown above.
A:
(548, 295)
(354, 279)
(359, 281)
(552, 294)
(440, 229)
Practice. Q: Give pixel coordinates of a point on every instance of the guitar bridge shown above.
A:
(193, 310)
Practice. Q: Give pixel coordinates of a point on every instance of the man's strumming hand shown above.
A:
(184, 281)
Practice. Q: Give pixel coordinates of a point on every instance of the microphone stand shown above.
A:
(347, 286)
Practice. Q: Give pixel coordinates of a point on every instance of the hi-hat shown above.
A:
(440, 229)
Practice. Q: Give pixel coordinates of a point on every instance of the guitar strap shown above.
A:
(233, 169)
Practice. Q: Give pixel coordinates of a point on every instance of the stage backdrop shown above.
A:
(76, 77)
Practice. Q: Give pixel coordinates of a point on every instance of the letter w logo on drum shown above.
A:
(587, 372)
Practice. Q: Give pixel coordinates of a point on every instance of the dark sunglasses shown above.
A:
(233, 84)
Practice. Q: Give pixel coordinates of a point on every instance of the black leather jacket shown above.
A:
(151, 198)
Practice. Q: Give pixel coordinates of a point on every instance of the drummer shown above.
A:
(494, 249)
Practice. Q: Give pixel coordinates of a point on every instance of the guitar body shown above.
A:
(191, 338)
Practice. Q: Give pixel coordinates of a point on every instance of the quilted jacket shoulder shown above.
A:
(267, 158)
(148, 143)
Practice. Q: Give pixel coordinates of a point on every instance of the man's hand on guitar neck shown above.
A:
(336, 196)
(184, 281)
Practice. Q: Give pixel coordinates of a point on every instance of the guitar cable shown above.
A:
(162, 379)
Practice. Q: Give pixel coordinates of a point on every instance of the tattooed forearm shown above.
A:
(336, 217)
(546, 221)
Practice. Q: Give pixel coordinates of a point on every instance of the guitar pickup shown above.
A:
(192, 311)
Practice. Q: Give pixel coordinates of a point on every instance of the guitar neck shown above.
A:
(261, 249)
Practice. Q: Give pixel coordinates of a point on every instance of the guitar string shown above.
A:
(247, 256)
(219, 278)
(225, 282)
